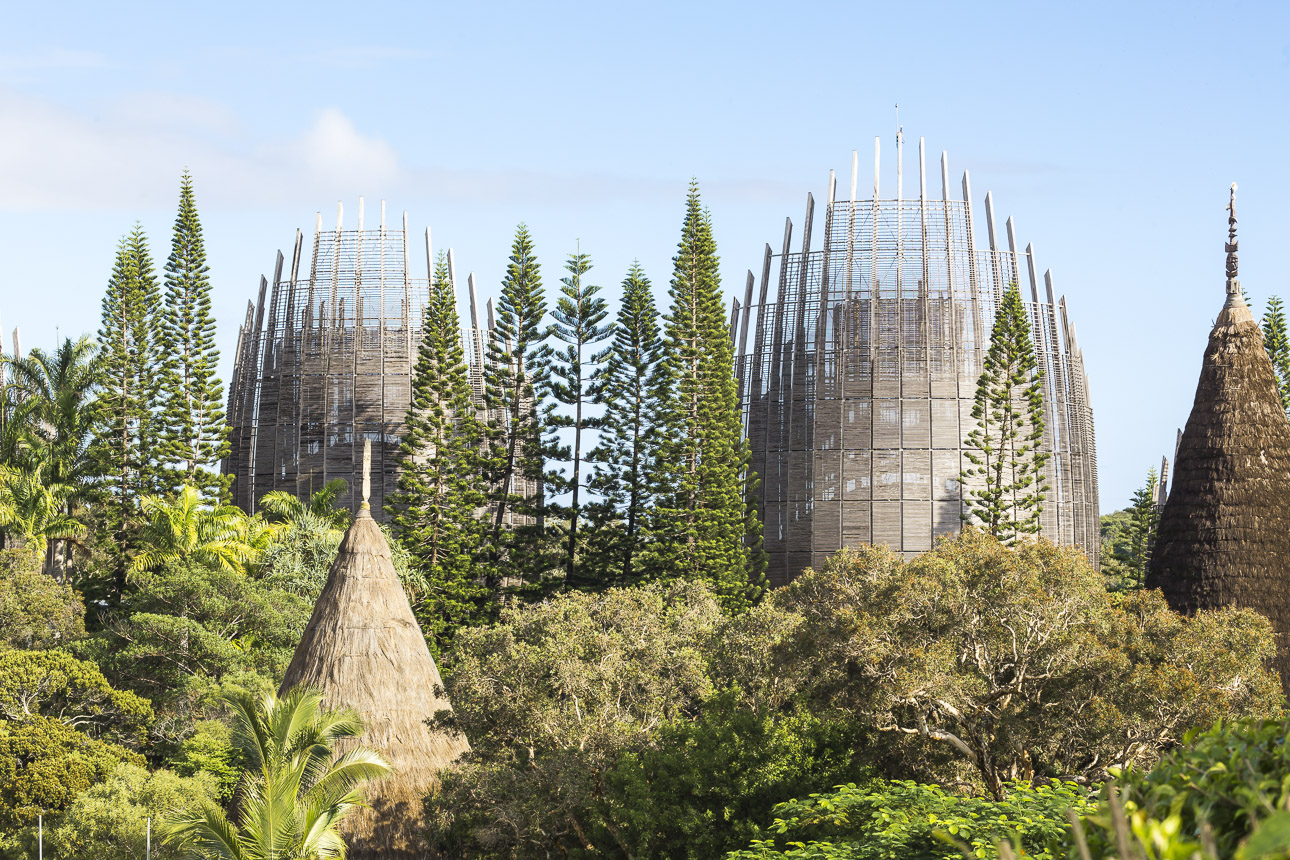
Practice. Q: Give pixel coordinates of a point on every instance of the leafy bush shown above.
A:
(210, 750)
(188, 624)
(45, 765)
(36, 611)
(109, 821)
(1224, 793)
(705, 785)
(59, 686)
(903, 820)
(1018, 662)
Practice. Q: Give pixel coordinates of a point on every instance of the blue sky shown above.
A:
(1110, 131)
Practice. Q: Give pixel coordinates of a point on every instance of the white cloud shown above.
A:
(335, 150)
(128, 156)
(52, 158)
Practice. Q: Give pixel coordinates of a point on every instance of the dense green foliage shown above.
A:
(1017, 663)
(36, 611)
(109, 821)
(1225, 792)
(58, 686)
(903, 820)
(48, 417)
(189, 632)
(647, 722)
(1005, 485)
(45, 764)
(615, 724)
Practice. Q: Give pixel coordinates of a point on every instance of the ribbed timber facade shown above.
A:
(858, 374)
(325, 361)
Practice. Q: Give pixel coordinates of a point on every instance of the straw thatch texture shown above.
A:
(1224, 535)
(364, 649)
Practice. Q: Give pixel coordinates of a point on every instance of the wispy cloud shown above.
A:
(129, 153)
(51, 60)
(360, 56)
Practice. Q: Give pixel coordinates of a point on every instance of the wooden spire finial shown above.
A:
(367, 474)
(1233, 285)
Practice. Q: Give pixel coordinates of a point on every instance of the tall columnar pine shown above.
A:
(624, 455)
(1004, 486)
(128, 352)
(1276, 340)
(517, 375)
(579, 324)
(701, 522)
(441, 487)
(192, 434)
(1144, 516)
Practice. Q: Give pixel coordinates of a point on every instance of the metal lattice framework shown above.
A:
(858, 387)
(327, 364)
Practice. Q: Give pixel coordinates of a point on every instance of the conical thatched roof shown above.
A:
(1224, 534)
(363, 649)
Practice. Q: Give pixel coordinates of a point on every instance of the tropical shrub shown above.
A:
(109, 820)
(1225, 792)
(903, 820)
(296, 791)
(636, 722)
(45, 765)
(36, 611)
(74, 692)
(187, 624)
(1016, 662)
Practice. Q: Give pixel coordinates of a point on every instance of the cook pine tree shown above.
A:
(624, 455)
(192, 435)
(517, 376)
(128, 354)
(441, 487)
(1004, 487)
(1276, 340)
(1144, 517)
(701, 525)
(579, 316)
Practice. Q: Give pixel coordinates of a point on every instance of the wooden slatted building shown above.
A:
(857, 376)
(324, 362)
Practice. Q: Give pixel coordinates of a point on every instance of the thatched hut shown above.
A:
(1224, 534)
(363, 649)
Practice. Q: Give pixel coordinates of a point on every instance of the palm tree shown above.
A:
(219, 536)
(35, 510)
(54, 406)
(49, 414)
(296, 791)
(280, 506)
